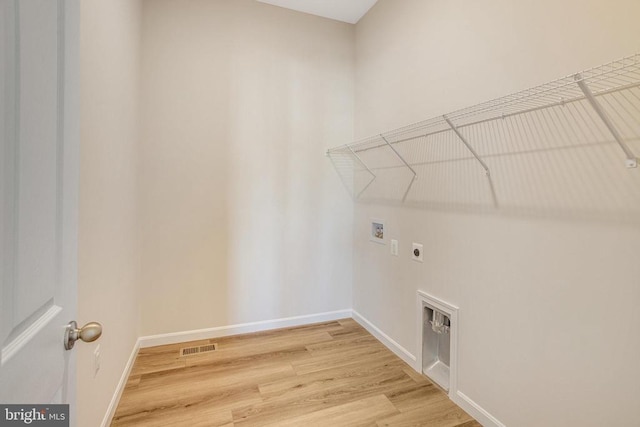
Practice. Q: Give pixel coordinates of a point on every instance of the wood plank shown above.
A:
(357, 354)
(176, 417)
(417, 377)
(362, 412)
(472, 423)
(228, 390)
(436, 413)
(334, 378)
(319, 391)
(149, 362)
(257, 348)
(415, 397)
(305, 376)
(224, 399)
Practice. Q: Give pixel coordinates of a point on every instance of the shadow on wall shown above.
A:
(544, 152)
(285, 221)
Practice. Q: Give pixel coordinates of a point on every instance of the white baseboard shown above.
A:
(242, 328)
(113, 405)
(476, 411)
(385, 339)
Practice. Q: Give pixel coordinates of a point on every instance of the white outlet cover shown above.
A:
(394, 247)
(419, 257)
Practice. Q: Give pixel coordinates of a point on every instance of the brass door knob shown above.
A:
(88, 333)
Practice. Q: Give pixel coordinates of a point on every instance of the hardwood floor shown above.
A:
(329, 374)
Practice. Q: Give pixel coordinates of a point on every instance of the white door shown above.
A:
(39, 136)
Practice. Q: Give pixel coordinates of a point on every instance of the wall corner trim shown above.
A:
(392, 345)
(476, 411)
(113, 405)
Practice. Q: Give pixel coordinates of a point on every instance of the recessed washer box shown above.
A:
(438, 339)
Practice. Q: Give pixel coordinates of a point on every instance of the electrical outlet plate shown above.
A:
(394, 247)
(417, 252)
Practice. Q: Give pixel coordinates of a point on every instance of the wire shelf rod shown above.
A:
(618, 75)
(557, 87)
(563, 102)
(501, 155)
(595, 112)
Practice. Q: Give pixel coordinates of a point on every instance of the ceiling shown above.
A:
(341, 10)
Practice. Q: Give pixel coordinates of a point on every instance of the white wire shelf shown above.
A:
(575, 132)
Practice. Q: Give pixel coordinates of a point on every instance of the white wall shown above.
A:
(242, 217)
(536, 347)
(108, 252)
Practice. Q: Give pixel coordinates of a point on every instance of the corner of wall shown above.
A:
(115, 399)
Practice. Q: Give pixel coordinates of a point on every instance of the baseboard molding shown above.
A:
(113, 405)
(385, 339)
(242, 328)
(476, 411)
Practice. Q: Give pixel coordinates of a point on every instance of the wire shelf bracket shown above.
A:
(415, 175)
(373, 175)
(632, 160)
(473, 152)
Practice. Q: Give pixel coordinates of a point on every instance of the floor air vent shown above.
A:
(199, 349)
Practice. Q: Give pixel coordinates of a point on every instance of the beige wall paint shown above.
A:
(242, 218)
(108, 251)
(536, 346)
